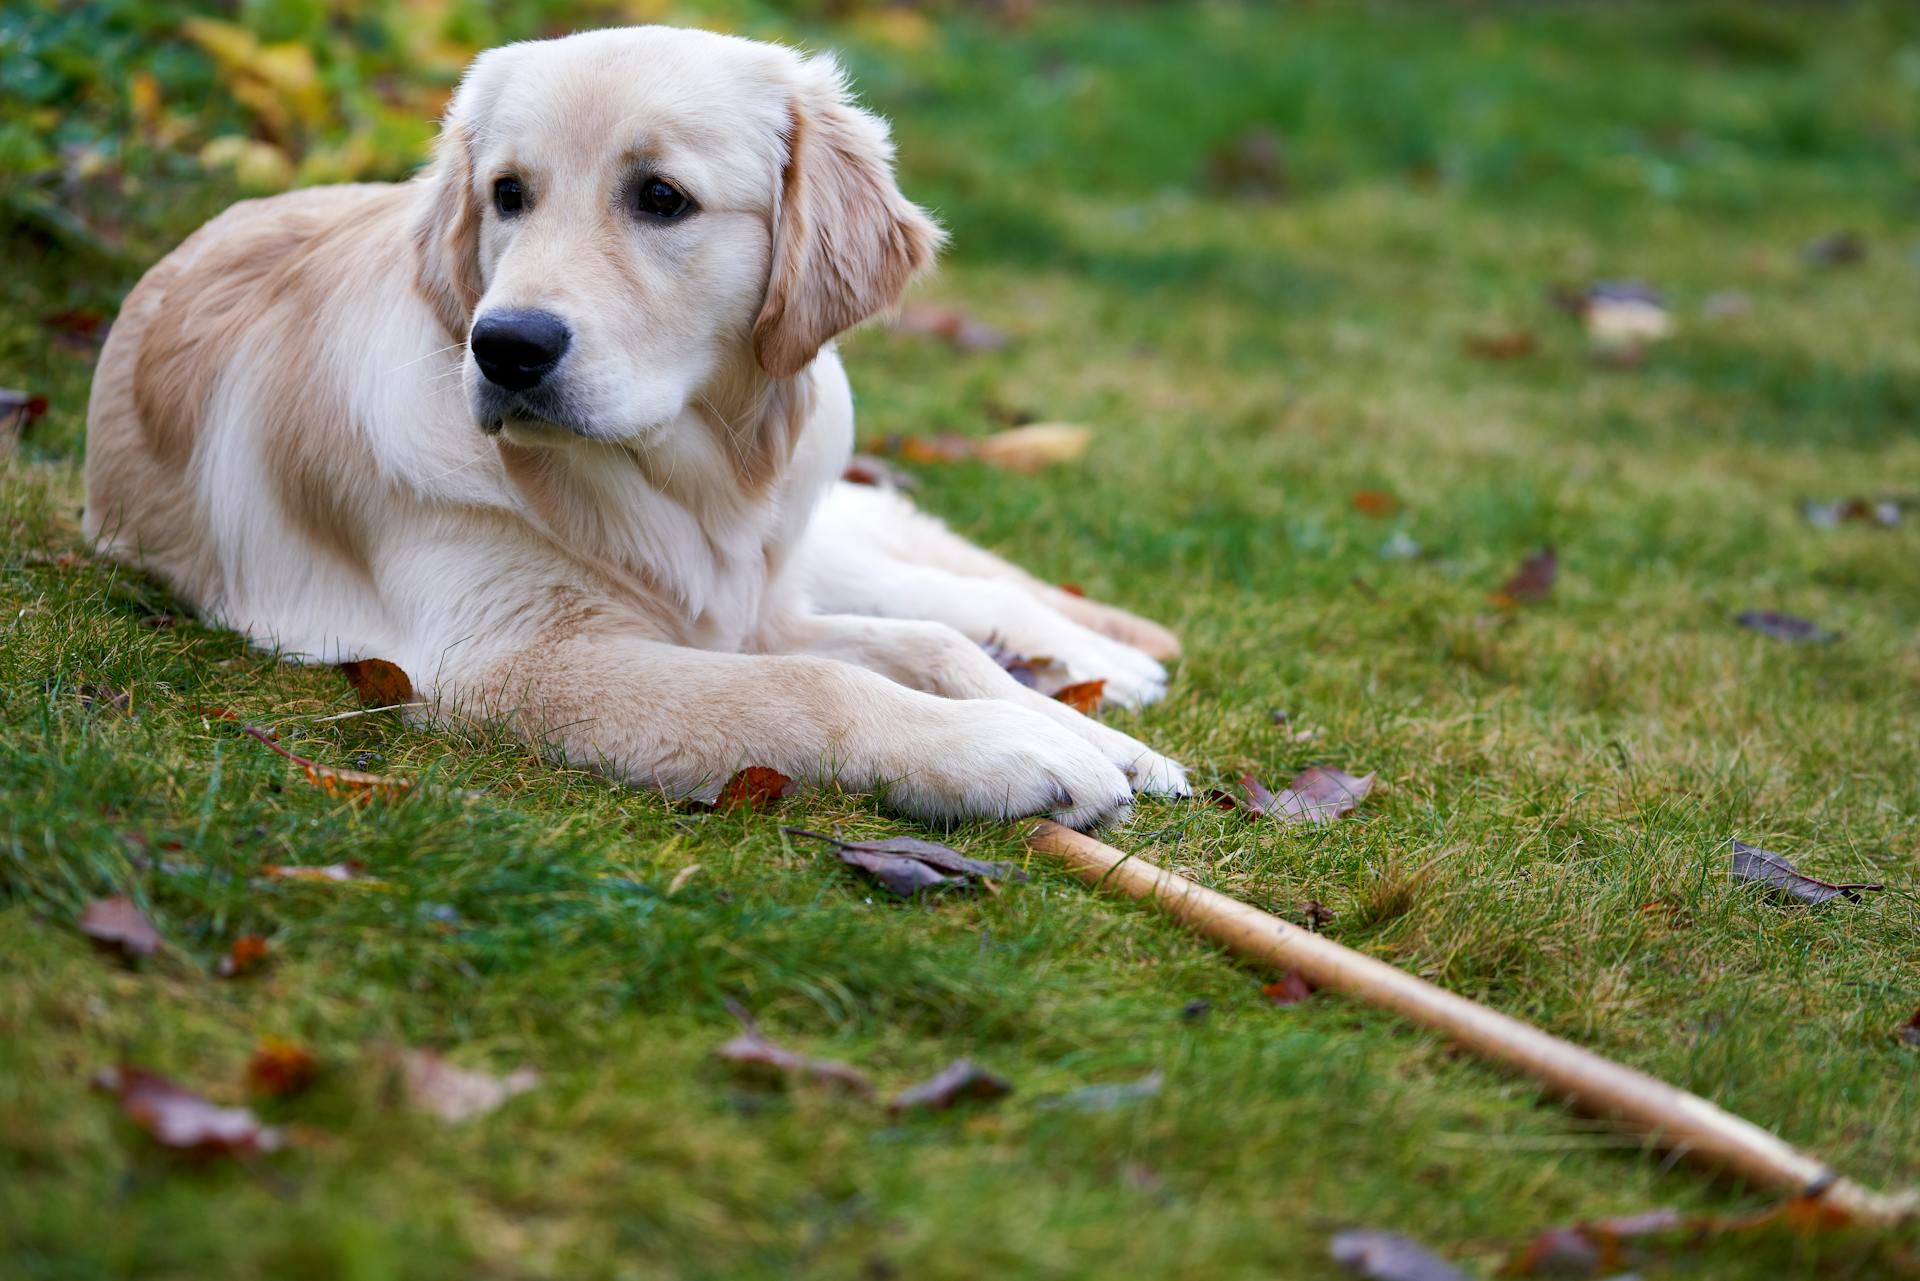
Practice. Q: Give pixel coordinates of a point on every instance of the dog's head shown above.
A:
(617, 219)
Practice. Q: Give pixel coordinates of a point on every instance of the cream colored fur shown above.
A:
(660, 577)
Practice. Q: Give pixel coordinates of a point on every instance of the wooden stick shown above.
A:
(1671, 1117)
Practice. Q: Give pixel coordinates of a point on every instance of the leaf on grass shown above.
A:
(104, 698)
(1082, 696)
(245, 955)
(762, 1058)
(77, 329)
(865, 469)
(333, 781)
(1785, 627)
(960, 1082)
(1884, 512)
(1290, 988)
(1532, 582)
(1316, 795)
(378, 682)
(119, 923)
(1388, 1256)
(1836, 249)
(1375, 502)
(960, 330)
(1756, 866)
(18, 411)
(1104, 1098)
(1625, 314)
(1043, 674)
(280, 1067)
(1022, 449)
(1509, 346)
(178, 1118)
(1585, 1249)
(1909, 1032)
(906, 864)
(351, 869)
(754, 787)
(459, 1094)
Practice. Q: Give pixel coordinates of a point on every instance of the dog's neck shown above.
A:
(696, 517)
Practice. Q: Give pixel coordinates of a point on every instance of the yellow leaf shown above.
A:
(1034, 446)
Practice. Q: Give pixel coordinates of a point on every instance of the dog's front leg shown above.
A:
(683, 720)
(936, 658)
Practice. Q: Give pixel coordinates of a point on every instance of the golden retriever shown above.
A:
(558, 425)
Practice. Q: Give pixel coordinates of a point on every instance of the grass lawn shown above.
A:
(1568, 772)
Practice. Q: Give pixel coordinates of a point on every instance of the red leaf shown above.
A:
(378, 682)
(1290, 988)
(1375, 502)
(279, 1068)
(1532, 583)
(178, 1118)
(243, 957)
(119, 923)
(754, 787)
(1083, 696)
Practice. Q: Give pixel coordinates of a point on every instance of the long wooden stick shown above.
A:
(1682, 1122)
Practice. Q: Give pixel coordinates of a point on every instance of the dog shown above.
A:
(558, 426)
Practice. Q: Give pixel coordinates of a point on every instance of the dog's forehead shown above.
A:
(714, 105)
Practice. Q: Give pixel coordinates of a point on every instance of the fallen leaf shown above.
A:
(243, 957)
(1251, 165)
(119, 923)
(1762, 867)
(347, 870)
(1785, 627)
(333, 781)
(1315, 915)
(104, 698)
(865, 469)
(378, 682)
(907, 864)
(1884, 512)
(178, 1118)
(77, 329)
(759, 1056)
(681, 877)
(1104, 1098)
(754, 787)
(455, 1093)
(1043, 674)
(1585, 1249)
(280, 1067)
(1072, 589)
(961, 1081)
(961, 331)
(1034, 446)
(1387, 1256)
(1509, 346)
(18, 411)
(1532, 582)
(1375, 502)
(1625, 313)
(1082, 696)
(1836, 249)
(1316, 795)
(1290, 988)
(1909, 1032)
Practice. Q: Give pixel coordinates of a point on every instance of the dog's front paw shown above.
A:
(987, 759)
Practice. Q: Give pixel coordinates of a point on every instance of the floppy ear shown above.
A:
(845, 241)
(447, 236)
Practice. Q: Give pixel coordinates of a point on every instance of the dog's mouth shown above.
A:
(535, 417)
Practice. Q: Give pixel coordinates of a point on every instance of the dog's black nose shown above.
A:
(516, 349)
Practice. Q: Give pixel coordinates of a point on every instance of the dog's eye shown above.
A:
(658, 198)
(509, 197)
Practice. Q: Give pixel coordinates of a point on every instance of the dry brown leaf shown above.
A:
(18, 410)
(247, 953)
(1375, 502)
(1290, 988)
(754, 787)
(865, 469)
(1043, 674)
(1532, 582)
(178, 1118)
(961, 331)
(349, 783)
(760, 1057)
(1316, 795)
(1387, 1256)
(1785, 627)
(119, 923)
(1034, 446)
(1509, 346)
(961, 1081)
(1909, 1032)
(1756, 866)
(459, 1094)
(1082, 696)
(378, 682)
(1599, 1246)
(280, 1067)
(907, 864)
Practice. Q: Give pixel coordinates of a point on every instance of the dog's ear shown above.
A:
(446, 236)
(845, 241)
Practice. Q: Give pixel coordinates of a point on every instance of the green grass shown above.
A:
(1571, 770)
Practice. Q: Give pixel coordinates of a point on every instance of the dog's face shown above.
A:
(621, 220)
